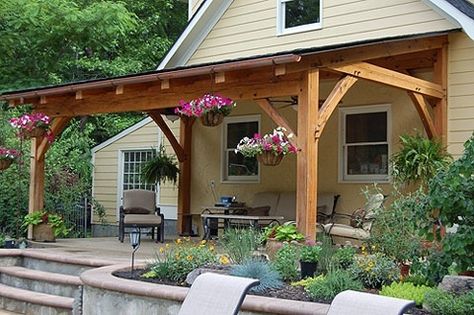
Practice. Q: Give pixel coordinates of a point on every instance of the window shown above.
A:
(298, 15)
(131, 163)
(365, 134)
(235, 166)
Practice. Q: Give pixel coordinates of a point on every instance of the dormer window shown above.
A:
(298, 16)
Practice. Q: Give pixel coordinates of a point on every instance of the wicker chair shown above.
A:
(139, 210)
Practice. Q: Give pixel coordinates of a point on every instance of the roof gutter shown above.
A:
(157, 75)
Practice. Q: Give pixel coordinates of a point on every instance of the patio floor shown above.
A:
(104, 248)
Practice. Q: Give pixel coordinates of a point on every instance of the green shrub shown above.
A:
(327, 252)
(375, 270)
(240, 244)
(310, 253)
(327, 287)
(440, 302)
(176, 261)
(2, 240)
(284, 233)
(344, 257)
(286, 262)
(407, 291)
(261, 270)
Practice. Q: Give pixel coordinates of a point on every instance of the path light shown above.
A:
(135, 242)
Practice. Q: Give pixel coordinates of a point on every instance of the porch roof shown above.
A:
(280, 58)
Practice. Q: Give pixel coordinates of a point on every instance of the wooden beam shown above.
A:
(220, 77)
(307, 157)
(119, 89)
(43, 100)
(149, 96)
(57, 126)
(178, 149)
(336, 95)
(422, 107)
(392, 78)
(165, 84)
(278, 119)
(184, 182)
(441, 108)
(36, 191)
(280, 70)
(79, 95)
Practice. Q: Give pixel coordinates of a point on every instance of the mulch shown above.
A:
(287, 292)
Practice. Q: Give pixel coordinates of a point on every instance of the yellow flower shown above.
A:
(177, 256)
(203, 242)
(179, 241)
(189, 257)
(224, 260)
(211, 248)
(162, 250)
(167, 245)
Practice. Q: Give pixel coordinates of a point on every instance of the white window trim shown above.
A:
(236, 179)
(343, 111)
(280, 21)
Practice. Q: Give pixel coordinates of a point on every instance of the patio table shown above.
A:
(254, 220)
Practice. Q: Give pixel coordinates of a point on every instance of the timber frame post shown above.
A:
(184, 182)
(440, 111)
(36, 199)
(307, 158)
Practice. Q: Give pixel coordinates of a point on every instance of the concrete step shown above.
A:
(41, 281)
(30, 302)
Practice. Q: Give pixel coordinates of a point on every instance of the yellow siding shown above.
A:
(207, 150)
(194, 5)
(248, 27)
(107, 168)
(460, 92)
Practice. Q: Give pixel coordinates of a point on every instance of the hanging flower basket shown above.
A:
(7, 157)
(269, 149)
(210, 108)
(4, 164)
(37, 132)
(33, 125)
(269, 158)
(212, 119)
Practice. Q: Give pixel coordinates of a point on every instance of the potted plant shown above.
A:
(309, 256)
(269, 149)
(46, 226)
(33, 125)
(161, 168)
(210, 108)
(276, 236)
(7, 156)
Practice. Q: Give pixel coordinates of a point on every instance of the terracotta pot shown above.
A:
(272, 246)
(34, 133)
(308, 269)
(43, 232)
(269, 158)
(404, 270)
(212, 119)
(4, 164)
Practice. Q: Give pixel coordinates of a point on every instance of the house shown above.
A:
(363, 73)
(116, 167)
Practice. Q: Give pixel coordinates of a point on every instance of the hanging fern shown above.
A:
(161, 168)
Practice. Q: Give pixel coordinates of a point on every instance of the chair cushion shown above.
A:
(346, 231)
(142, 219)
(136, 210)
(259, 211)
(139, 198)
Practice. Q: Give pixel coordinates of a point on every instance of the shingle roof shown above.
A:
(464, 6)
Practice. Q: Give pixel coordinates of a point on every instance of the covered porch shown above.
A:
(319, 78)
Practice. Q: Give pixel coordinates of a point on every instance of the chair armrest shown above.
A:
(157, 210)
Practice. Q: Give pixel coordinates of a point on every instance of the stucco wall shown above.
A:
(207, 150)
(106, 170)
(248, 27)
(460, 91)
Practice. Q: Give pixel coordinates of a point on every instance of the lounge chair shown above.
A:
(352, 302)
(216, 294)
(139, 210)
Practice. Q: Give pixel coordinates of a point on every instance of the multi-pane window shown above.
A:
(365, 147)
(236, 167)
(132, 161)
(298, 15)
